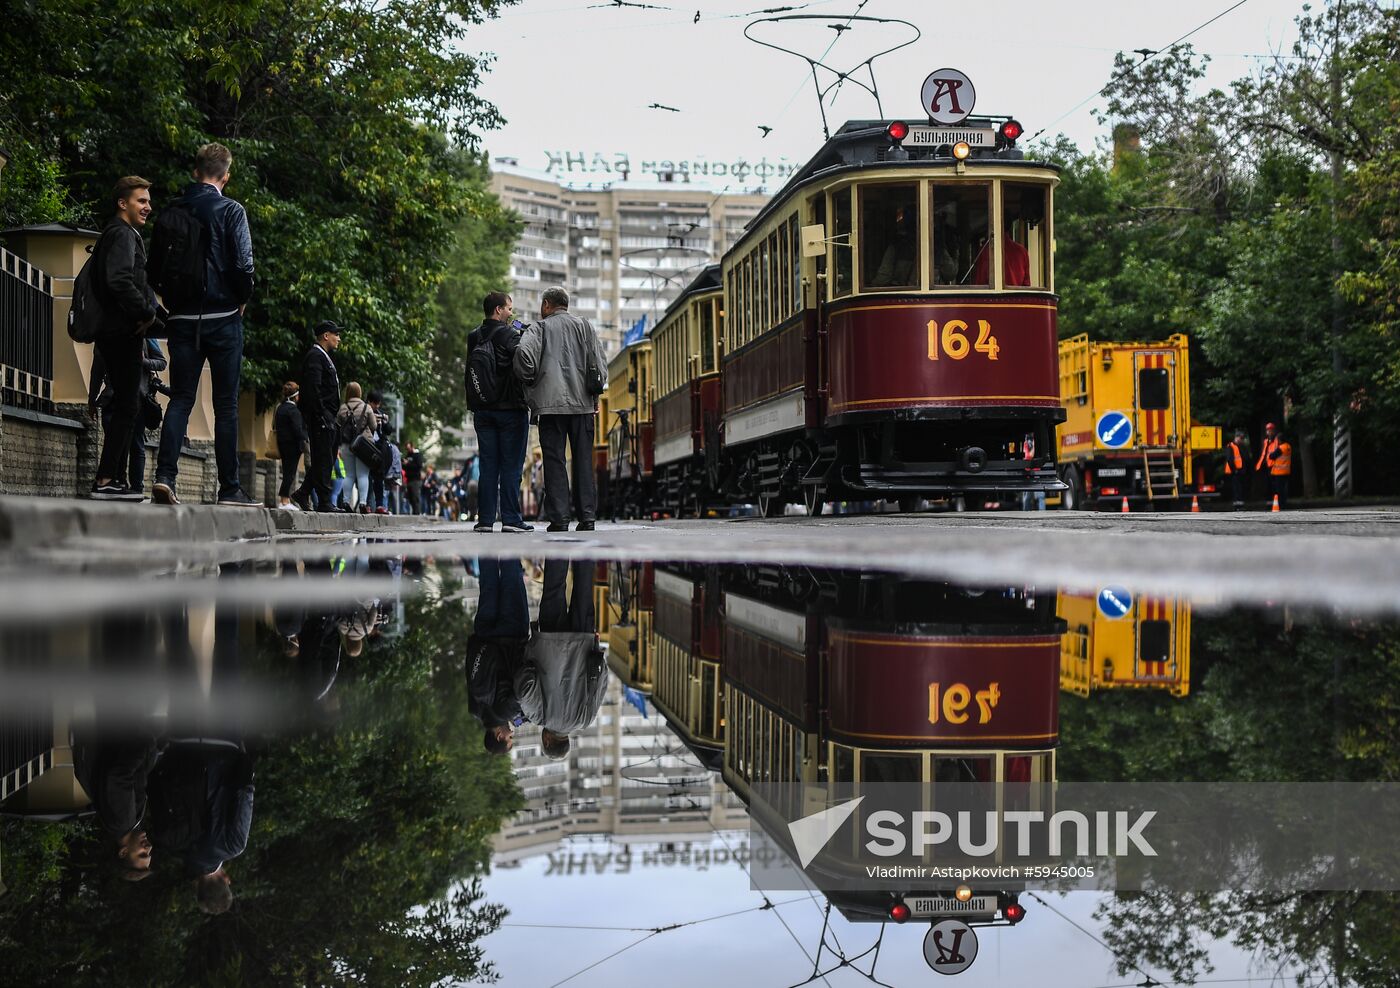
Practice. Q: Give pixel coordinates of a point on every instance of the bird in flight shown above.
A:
(766, 129)
(661, 106)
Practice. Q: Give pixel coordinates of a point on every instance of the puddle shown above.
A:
(328, 737)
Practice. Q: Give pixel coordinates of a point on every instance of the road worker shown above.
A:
(1237, 469)
(1277, 457)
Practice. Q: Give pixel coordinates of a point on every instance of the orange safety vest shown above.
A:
(1234, 459)
(1283, 465)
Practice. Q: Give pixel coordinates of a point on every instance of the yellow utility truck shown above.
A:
(1127, 431)
(1116, 639)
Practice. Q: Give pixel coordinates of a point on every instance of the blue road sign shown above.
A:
(1115, 602)
(1115, 430)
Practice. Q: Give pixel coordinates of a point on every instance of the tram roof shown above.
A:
(863, 143)
(707, 280)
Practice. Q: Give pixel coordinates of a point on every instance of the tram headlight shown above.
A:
(961, 150)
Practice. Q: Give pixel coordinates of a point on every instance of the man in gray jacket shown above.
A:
(563, 675)
(553, 361)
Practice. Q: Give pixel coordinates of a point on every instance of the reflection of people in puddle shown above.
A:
(201, 790)
(114, 751)
(563, 677)
(495, 650)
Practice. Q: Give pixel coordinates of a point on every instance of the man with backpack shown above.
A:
(202, 264)
(562, 365)
(499, 414)
(126, 311)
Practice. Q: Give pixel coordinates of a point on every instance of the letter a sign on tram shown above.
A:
(948, 96)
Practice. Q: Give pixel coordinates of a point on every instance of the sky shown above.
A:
(571, 77)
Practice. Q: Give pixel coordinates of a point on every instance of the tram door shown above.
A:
(1154, 397)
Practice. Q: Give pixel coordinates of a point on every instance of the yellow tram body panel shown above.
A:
(1147, 647)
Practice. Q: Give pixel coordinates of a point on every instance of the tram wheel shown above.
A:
(910, 504)
(771, 505)
(813, 499)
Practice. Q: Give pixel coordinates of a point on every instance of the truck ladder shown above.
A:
(1159, 473)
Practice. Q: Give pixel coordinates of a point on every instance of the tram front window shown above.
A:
(1025, 256)
(887, 767)
(961, 232)
(889, 237)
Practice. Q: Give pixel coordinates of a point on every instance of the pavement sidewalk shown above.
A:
(33, 522)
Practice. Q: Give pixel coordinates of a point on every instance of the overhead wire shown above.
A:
(1097, 939)
(1147, 58)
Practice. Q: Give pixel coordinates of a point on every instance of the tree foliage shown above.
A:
(353, 126)
(1218, 214)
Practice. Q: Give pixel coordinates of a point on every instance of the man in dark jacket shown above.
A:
(321, 385)
(128, 311)
(503, 426)
(413, 477)
(100, 395)
(207, 328)
(494, 650)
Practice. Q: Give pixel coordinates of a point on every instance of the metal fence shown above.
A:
(26, 334)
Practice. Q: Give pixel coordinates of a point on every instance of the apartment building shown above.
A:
(624, 249)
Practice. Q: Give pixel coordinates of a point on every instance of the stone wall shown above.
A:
(56, 456)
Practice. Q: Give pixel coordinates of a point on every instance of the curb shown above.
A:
(27, 522)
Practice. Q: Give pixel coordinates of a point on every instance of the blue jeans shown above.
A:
(220, 342)
(356, 475)
(503, 610)
(501, 439)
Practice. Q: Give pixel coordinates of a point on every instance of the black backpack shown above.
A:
(178, 265)
(484, 380)
(85, 312)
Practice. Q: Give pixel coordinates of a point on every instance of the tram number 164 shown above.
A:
(951, 702)
(952, 340)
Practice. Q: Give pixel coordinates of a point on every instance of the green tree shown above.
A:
(349, 122)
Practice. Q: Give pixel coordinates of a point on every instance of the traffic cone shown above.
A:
(1275, 509)
(1195, 505)
(1124, 509)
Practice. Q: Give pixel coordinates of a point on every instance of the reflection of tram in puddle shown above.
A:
(623, 604)
(815, 681)
(1118, 640)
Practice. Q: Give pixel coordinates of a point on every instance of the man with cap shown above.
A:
(320, 385)
(1277, 456)
(1237, 469)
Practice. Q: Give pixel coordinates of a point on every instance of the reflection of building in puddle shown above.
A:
(1119, 640)
(626, 776)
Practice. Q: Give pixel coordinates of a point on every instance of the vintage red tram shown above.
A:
(686, 345)
(890, 326)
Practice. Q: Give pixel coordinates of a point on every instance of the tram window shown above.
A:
(1155, 641)
(707, 337)
(889, 767)
(961, 227)
(782, 283)
(889, 236)
(775, 307)
(1025, 255)
(843, 765)
(1154, 388)
(795, 264)
(970, 769)
(841, 234)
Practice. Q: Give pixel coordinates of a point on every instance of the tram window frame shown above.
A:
(869, 238)
(966, 263)
(775, 308)
(781, 280)
(1025, 208)
(707, 340)
(817, 216)
(842, 280)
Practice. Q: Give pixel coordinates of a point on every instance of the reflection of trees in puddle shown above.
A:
(362, 866)
(1271, 700)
